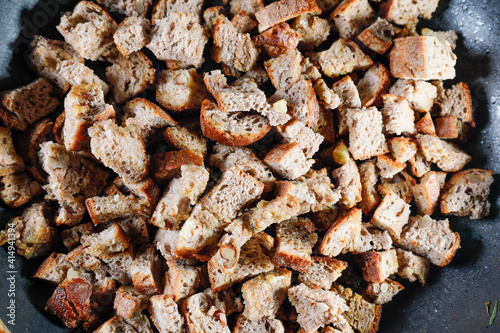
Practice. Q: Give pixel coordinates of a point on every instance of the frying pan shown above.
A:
(454, 298)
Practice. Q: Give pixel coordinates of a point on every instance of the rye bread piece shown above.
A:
(431, 239)
(366, 139)
(143, 117)
(374, 85)
(72, 178)
(32, 231)
(316, 307)
(265, 293)
(322, 272)
(448, 156)
(422, 58)
(165, 7)
(428, 192)
(147, 271)
(114, 263)
(351, 17)
(44, 56)
(180, 39)
(327, 97)
(165, 315)
(180, 137)
(277, 40)
(348, 184)
(83, 106)
(165, 166)
(267, 325)
(288, 160)
(402, 148)
(383, 292)
(23, 106)
(130, 75)
(128, 302)
(398, 115)
(378, 37)
(283, 10)
(231, 47)
(180, 195)
(378, 266)
(287, 69)
(412, 267)
(370, 198)
(119, 149)
(312, 29)
(225, 157)
(297, 131)
(372, 239)
(457, 102)
(165, 242)
(233, 129)
(343, 57)
(341, 237)
(180, 90)
(244, 23)
(55, 269)
(88, 29)
(182, 280)
(128, 7)
(347, 92)
(205, 312)
(466, 194)
(76, 73)
(132, 35)
(406, 12)
(392, 215)
(420, 94)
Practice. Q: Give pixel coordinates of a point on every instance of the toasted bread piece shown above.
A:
(392, 215)
(285, 70)
(249, 6)
(406, 12)
(372, 239)
(366, 139)
(343, 57)
(45, 54)
(402, 148)
(448, 156)
(163, 8)
(431, 239)
(457, 101)
(398, 115)
(267, 325)
(419, 165)
(351, 17)
(205, 312)
(284, 10)
(210, 15)
(143, 117)
(419, 94)
(342, 235)
(316, 307)
(378, 266)
(297, 131)
(182, 280)
(146, 271)
(118, 205)
(288, 160)
(303, 101)
(132, 35)
(55, 269)
(179, 38)
(111, 240)
(165, 242)
(451, 127)
(76, 73)
(244, 23)
(312, 29)
(466, 194)
(450, 36)
(128, 7)
(374, 85)
(383, 292)
(388, 167)
(265, 293)
(322, 272)
(348, 184)
(369, 178)
(116, 324)
(401, 184)
(427, 192)
(379, 36)
(422, 58)
(71, 237)
(327, 97)
(166, 315)
(277, 40)
(23, 106)
(183, 138)
(165, 166)
(413, 267)
(128, 301)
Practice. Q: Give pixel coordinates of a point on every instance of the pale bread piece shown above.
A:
(297, 131)
(210, 15)
(388, 167)
(457, 101)
(312, 29)
(265, 293)
(284, 10)
(111, 240)
(379, 35)
(165, 315)
(401, 184)
(466, 194)
(180, 137)
(450, 36)
(374, 85)
(183, 280)
(420, 94)
(351, 17)
(76, 73)
(316, 307)
(249, 6)
(413, 267)
(205, 312)
(128, 302)
(55, 269)
(419, 165)
(348, 184)
(244, 23)
(163, 8)
(392, 215)
(448, 156)
(372, 239)
(128, 7)
(89, 29)
(322, 272)
(132, 35)
(398, 115)
(147, 270)
(327, 97)
(288, 160)
(343, 57)
(383, 292)
(428, 192)
(369, 178)
(406, 12)
(431, 239)
(422, 58)
(341, 237)
(121, 150)
(402, 148)
(268, 325)
(277, 40)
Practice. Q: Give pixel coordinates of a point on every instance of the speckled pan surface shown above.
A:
(454, 299)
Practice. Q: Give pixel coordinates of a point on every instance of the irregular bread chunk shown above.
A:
(76, 73)
(210, 15)
(419, 165)
(451, 127)
(322, 272)
(457, 101)
(431, 239)
(402, 148)
(128, 302)
(383, 292)
(183, 138)
(283, 10)
(422, 58)
(165, 314)
(128, 7)
(312, 29)
(303, 101)
(55, 269)
(450, 36)
(297, 131)
(406, 12)
(146, 271)
(378, 36)
(374, 85)
(398, 115)
(132, 35)
(205, 312)
(114, 206)
(392, 215)
(111, 240)
(268, 325)
(366, 139)
(164, 7)
(448, 156)
(388, 167)
(401, 184)
(351, 17)
(369, 178)
(182, 280)
(244, 24)
(378, 266)
(372, 239)
(343, 57)
(166, 166)
(118, 324)
(71, 237)
(342, 235)
(277, 40)
(413, 267)
(348, 184)
(466, 194)
(249, 6)
(428, 191)
(165, 241)
(328, 98)
(419, 94)
(288, 160)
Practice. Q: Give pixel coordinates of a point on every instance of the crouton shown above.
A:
(143, 117)
(402, 148)
(303, 101)
(232, 128)
(419, 94)
(128, 301)
(294, 244)
(182, 193)
(297, 131)
(210, 15)
(419, 165)
(322, 272)
(398, 115)
(113, 145)
(392, 215)
(204, 312)
(407, 12)
(243, 23)
(118, 324)
(163, 8)
(130, 75)
(232, 47)
(288, 160)
(422, 58)
(348, 184)
(89, 29)
(366, 139)
(183, 138)
(325, 129)
(427, 193)
(165, 166)
(450, 36)
(328, 98)
(132, 35)
(374, 85)
(55, 269)
(379, 36)
(347, 92)
(425, 125)
(182, 280)
(431, 239)
(180, 38)
(146, 271)
(288, 68)
(448, 156)
(118, 205)
(23, 106)
(451, 127)
(111, 240)
(128, 7)
(342, 235)
(456, 101)
(383, 292)
(249, 6)
(316, 307)
(71, 237)
(277, 40)
(312, 29)
(244, 325)
(165, 241)
(72, 178)
(165, 314)
(401, 184)
(378, 266)
(343, 57)
(76, 73)
(45, 54)
(369, 178)
(372, 239)
(265, 293)
(466, 194)
(284, 10)
(136, 229)
(351, 17)
(388, 167)
(225, 157)
(413, 267)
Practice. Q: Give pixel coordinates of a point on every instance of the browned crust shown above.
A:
(425, 125)
(206, 253)
(28, 144)
(213, 133)
(127, 305)
(277, 40)
(407, 58)
(283, 10)
(353, 213)
(157, 111)
(279, 152)
(383, 86)
(165, 166)
(243, 22)
(450, 127)
(282, 188)
(370, 292)
(453, 250)
(312, 105)
(370, 262)
(373, 42)
(298, 263)
(46, 265)
(58, 127)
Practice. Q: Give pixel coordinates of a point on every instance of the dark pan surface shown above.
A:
(454, 299)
